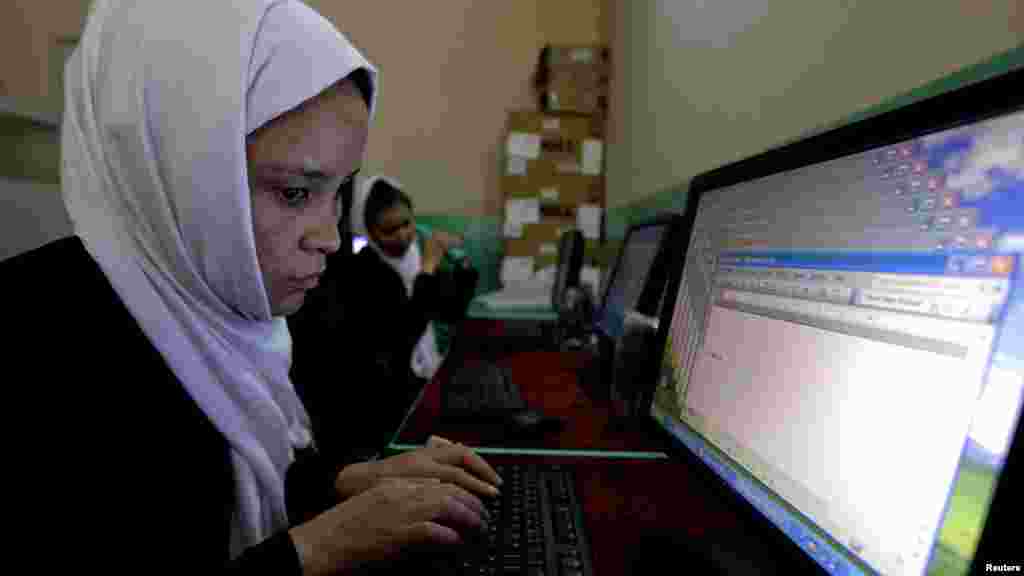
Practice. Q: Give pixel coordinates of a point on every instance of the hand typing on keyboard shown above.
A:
(534, 529)
(386, 523)
(440, 460)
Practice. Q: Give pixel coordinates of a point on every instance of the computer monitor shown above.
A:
(630, 273)
(845, 348)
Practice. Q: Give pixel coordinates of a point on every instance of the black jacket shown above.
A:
(115, 468)
(360, 327)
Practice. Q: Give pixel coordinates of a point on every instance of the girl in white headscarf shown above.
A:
(391, 301)
(384, 213)
(203, 147)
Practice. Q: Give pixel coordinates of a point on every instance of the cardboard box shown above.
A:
(589, 218)
(568, 97)
(554, 190)
(574, 79)
(570, 190)
(541, 145)
(585, 158)
(588, 163)
(579, 75)
(563, 55)
(553, 127)
(539, 238)
(548, 230)
(519, 211)
(520, 248)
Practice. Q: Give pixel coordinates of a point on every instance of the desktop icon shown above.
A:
(1002, 265)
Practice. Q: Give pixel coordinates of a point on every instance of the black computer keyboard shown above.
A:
(536, 529)
(536, 526)
(481, 391)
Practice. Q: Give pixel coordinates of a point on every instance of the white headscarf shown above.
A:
(426, 358)
(159, 99)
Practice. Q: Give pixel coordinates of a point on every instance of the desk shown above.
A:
(548, 381)
(640, 514)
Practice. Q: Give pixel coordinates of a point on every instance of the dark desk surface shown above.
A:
(548, 381)
(639, 514)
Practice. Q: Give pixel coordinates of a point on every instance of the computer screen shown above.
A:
(846, 347)
(627, 280)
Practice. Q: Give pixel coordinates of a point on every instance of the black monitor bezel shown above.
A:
(969, 104)
(667, 221)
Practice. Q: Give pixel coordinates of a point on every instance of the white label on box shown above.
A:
(550, 193)
(526, 210)
(545, 275)
(552, 124)
(523, 144)
(548, 249)
(588, 220)
(519, 211)
(513, 229)
(516, 166)
(584, 55)
(590, 276)
(593, 153)
(516, 270)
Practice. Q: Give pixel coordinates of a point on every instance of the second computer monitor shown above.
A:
(631, 271)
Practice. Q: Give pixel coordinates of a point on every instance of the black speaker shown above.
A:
(570, 262)
(634, 366)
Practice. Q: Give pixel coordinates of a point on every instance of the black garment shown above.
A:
(116, 469)
(387, 321)
(362, 327)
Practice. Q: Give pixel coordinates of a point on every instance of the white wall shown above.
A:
(31, 214)
(699, 83)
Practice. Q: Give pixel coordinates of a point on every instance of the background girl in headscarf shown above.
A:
(385, 214)
(203, 147)
(398, 304)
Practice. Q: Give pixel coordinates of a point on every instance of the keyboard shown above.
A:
(536, 526)
(536, 529)
(481, 391)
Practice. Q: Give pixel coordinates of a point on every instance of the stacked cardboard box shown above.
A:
(553, 167)
(574, 79)
(552, 181)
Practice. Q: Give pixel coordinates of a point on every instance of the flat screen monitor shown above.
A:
(844, 348)
(631, 271)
